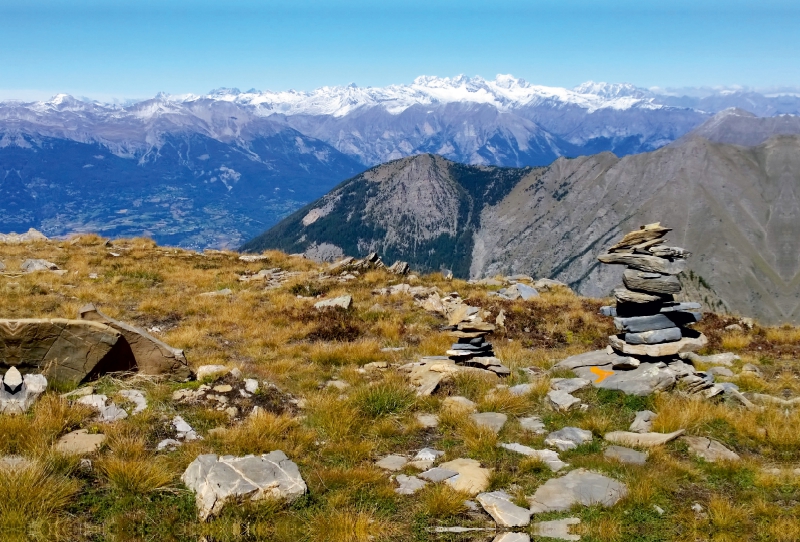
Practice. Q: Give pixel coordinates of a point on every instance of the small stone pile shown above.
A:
(651, 323)
(471, 341)
(371, 261)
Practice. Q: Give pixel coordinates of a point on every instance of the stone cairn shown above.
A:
(472, 349)
(651, 323)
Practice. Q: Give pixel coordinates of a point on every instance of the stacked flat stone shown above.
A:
(651, 323)
(472, 349)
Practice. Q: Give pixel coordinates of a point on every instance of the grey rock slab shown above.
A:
(437, 474)
(342, 302)
(507, 514)
(625, 363)
(80, 442)
(623, 295)
(657, 336)
(643, 380)
(562, 401)
(650, 264)
(646, 440)
(533, 424)
(521, 290)
(491, 420)
(588, 359)
(112, 413)
(568, 438)
(643, 421)
(608, 310)
(183, 429)
(726, 358)
(684, 306)
(720, 371)
(688, 343)
(580, 486)
(520, 389)
(31, 265)
(548, 457)
(392, 462)
(650, 283)
(638, 324)
(408, 484)
(137, 398)
(569, 385)
(625, 455)
(556, 528)
(217, 480)
(710, 449)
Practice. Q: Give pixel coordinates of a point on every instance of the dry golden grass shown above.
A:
(336, 436)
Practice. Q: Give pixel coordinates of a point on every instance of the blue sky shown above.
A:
(127, 48)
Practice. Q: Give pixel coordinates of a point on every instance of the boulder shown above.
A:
(645, 440)
(217, 480)
(153, 356)
(643, 380)
(507, 514)
(32, 265)
(580, 486)
(709, 449)
(18, 392)
(65, 351)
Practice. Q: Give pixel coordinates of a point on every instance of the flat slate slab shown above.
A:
(438, 474)
(548, 457)
(492, 420)
(580, 486)
(533, 424)
(217, 480)
(710, 449)
(627, 438)
(471, 477)
(507, 514)
(568, 438)
(625, 455)
(408, 484)
(392, 462)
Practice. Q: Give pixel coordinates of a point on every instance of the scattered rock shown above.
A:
(471, 477)
(491, 420)
(342, 302)
(167, 444)
(428, 421)
(438, 474)
(562, 401)
(643, 422)
(568, 438)
(32, 265)
(625, 455)
(392, 462)
(251, 385)
(109, 412)
(569, 385)
(211, 372)
(80, 442)
(709, 449)
(459, 403)
(184, 430)
(218, 293)
(720, 371)
(646, 440)
(548, 457)
(409, 484)
(534, 424)
(217, 480)
(76, 394)
(750, 369)
(577, 487)
(340, 385)
(507, 514)
(136, 397)
(734, 328)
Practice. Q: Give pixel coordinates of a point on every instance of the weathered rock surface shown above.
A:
(637, 324)
(342, 302)
(533, 424)
(32, 265)
(641, 262)
(568, 438)
(392, 462)
(569, 385)
(643, 380)
(211, 372)
(471, 477)
(80, 442)
(438, 474)
(686, 344)
(153, 356)
(651, 283)
(577, 487)
(626, 438)
(507, 514)
(657, 336)
(562, 401)
(408, 484)
(68, 351)
(625, 455)
(548, 457)
(217, 480)
(643, 421)
(709, 449)
(726, 358)
(491, 420)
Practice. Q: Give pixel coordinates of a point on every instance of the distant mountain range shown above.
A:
(214, 170)
(734, 206)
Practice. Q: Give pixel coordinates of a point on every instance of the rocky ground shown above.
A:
(335, 404)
